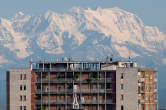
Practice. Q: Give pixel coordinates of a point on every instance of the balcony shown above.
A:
(55, 102)
(141, 91)
(155, 90)
(139, 95)
(155, 101)
(70, 80)
(70, 91)
(141, 80)
(155, 79)
(139, 84)
(142, 101)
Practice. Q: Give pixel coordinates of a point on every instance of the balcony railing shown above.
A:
(46, 102)
(155, 79)
(141, 101)
(70, 80)
(64, 69)
(141, 80)
(155, 90)
(70, 91)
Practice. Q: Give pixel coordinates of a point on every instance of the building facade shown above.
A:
(18, 89)
(81, 85)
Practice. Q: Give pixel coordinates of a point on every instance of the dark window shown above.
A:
(20, 76)
(20, 87)
(59, 88)
(25, 107)
(38, 87)
(122, 86)
(24, 97)
(20, 97)
(59, 108)
(122, 97)
(108, 86)
(20, 107)
(102, 86)
(38, 108)
(122, 75)
(24, 87)
(122, 108)
(25, 77)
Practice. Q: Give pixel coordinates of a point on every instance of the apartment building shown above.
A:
(18, 89)
(83, 85)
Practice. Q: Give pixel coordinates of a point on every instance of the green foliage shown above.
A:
(89, 80)
(96, 76)
(58, 77)
(142, 88)
(75, 77)
(43, 108)
(44, 76)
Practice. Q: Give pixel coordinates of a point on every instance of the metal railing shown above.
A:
(141, 80)
(64, 69)
(70, 91)
(46, 102)
(70, 80)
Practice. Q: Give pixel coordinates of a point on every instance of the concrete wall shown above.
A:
(14, 85)
(130, 84)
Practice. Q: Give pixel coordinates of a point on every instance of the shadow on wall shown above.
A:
(2, 91)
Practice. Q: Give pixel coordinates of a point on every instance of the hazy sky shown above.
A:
(152, 12)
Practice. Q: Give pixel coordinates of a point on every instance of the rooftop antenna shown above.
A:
(111, 58)
(129, 55)
(30, 62)
(70, 58)
(129, 52)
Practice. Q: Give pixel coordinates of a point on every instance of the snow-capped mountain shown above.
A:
(81, 34)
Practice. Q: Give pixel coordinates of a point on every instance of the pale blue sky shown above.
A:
(152, 12)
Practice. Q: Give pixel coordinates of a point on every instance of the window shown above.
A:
(25, 77)
(59, 88)
(24, 87)
(59, 108)
(20, 107)
(38, 108)
(122, 108)
(146, 75)
(108, 86)
(91, 86)
(122, 97)
(20, 76)
(122, 76)
(20, 87)
(20, 97)
(38, 87)
(25, 107)
(146, 97)
(24, 97)
(122, 86)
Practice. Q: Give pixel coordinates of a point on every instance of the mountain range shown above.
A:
(83, 34)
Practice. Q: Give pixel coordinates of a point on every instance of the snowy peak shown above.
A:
(20, 13)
